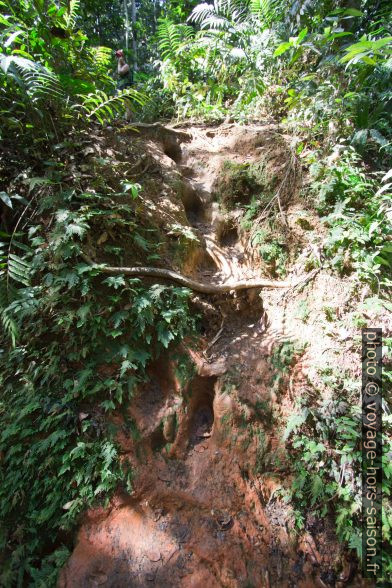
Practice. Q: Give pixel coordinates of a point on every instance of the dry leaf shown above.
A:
(103, 238)
(68, 505)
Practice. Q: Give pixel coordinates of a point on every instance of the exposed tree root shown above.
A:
(165, 274)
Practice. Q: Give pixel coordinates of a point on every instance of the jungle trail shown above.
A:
(188, 254)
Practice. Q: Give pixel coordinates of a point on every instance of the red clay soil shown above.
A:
(206, 510)
(199, 516)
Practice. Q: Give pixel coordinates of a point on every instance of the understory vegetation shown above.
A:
(75, 343)
(324, 437)
(78, 345)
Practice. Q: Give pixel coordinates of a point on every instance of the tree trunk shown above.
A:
(134, 45)
(126, 18)
(156, 10)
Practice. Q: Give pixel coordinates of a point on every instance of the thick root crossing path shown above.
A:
(165, 274)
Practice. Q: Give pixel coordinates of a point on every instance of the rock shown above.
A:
(97, 579)
(153, 555)
(169, 428)
(157, 515)
(206, 369)
(225, 522)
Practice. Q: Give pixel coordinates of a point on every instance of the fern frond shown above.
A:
(15, 305)
(8, 294)
(101, 56)
(15, 301)
(268, 11)
(355, 542)
(72, 13)
(169, 39)
(13, 267)
(10, 325)
(295, 421)
(201, 12)
(172, 37)
(18, 269)
(105, 108)
(221, 15)
(37, 81)
(316, 488)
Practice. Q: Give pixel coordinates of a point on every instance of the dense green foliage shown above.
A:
(325, 449)
(81, 344)
(51, 77)
(79, 361)
(326, 72)
(74, 344)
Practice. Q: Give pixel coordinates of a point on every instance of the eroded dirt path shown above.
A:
(209, 459)
(202, 160)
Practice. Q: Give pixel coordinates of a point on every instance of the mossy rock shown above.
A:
(304, 224)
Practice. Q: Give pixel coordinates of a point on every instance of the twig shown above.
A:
(302, 283)
(137, 175)
(291, 167)
(215, 339)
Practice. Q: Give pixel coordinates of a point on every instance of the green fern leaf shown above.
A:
(316, 488)
(104, 108)
(72, 13)
(355, 542)
(172, 37)
(36, 80)
(294, 423)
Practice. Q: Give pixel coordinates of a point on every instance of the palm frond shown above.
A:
(220, 15)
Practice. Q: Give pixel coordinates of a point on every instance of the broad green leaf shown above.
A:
(302, 35)
(6, 199)
(352, 12)
(283, 47)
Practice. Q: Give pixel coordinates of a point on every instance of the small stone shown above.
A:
(153, 555)
(97, 579)
(157, 515)
(225, 522)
